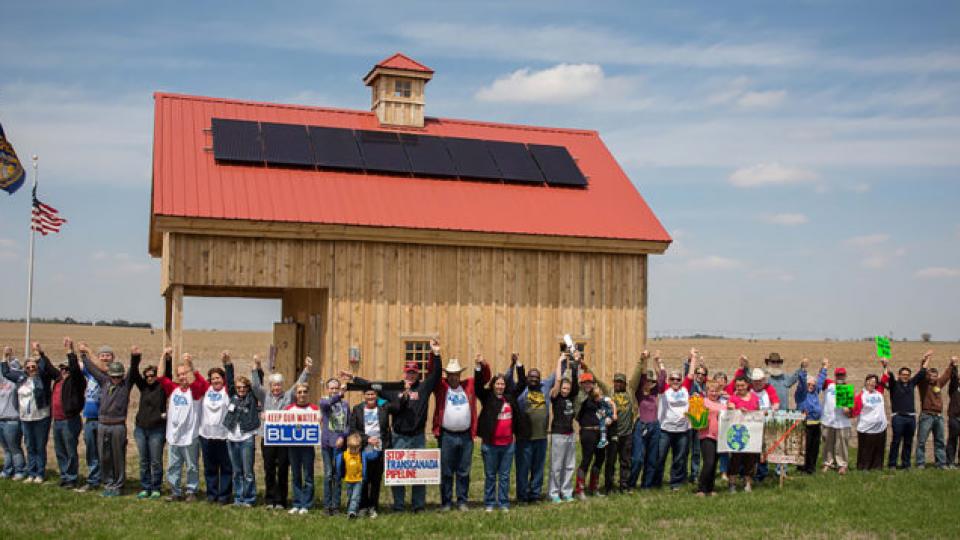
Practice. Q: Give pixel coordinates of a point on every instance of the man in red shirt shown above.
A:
(67, 404)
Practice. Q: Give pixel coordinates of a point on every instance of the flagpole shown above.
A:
(26, 343)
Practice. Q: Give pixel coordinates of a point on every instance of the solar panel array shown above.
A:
(293, 145)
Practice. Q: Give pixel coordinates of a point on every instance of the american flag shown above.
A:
(46, 219)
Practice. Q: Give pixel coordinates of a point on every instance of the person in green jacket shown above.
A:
(621, 441)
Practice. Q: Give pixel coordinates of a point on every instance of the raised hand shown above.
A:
(82, 347)
(743, 362)
(68, 344)
(256, 361)
(343, 374)
(135, 351)
(514, 357)
(168, 351)
(804, 363)
(187, 359)
(693, 352)
(435, 346)
(825, 363)
(7, 352)
(645, 355)
(35, 346)
(308, 363)
(225, 357)
(480, 360)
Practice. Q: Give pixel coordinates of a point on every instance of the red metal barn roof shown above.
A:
(188, 182)
(402, 61)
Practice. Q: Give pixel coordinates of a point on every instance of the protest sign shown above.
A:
(784, 437)
(883, 347)
(411, 467)
(291, 428)
(740, 432)
(844, 396)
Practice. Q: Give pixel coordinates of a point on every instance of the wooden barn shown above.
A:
(381, 229)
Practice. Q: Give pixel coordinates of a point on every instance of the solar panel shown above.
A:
(335, 148)
(236, 140)
(515, 161)
(428, 155)
(382, 151)
(472, 158)
(557, 165)
(286, 144)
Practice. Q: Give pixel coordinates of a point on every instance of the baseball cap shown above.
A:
(619, 377)
(586, 377)
(411, 366)
(840, 371)
(115, 369)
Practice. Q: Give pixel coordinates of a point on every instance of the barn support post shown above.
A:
(173, 320)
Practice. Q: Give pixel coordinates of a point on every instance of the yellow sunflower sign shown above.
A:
(697, 413)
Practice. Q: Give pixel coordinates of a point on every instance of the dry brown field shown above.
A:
(719, 354)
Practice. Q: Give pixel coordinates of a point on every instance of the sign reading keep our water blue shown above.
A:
(291, 428)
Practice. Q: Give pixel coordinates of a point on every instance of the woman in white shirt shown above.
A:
(217, 469)
(868, 407)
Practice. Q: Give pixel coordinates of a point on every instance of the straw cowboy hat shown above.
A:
(757, 374)
(774, 358)
(453, 366)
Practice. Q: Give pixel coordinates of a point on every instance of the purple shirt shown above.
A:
(648, 403)
(335, 423)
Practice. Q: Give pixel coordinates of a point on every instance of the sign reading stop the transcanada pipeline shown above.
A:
(411, 467)
(291, 428)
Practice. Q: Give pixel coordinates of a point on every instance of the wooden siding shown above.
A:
(374, 295)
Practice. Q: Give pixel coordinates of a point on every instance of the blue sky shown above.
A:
(805, 156)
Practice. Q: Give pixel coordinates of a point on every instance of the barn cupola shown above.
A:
(396, 85)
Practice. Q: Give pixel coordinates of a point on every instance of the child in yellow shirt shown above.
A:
(352, 467)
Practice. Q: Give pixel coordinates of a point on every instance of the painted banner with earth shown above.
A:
(784, 437)
(740, 432)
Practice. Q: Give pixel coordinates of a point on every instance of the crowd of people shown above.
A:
(519, 416)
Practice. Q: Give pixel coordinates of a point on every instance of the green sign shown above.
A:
(844, 396)
(883, 346)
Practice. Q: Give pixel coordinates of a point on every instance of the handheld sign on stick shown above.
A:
(883, 347)
(845, 396)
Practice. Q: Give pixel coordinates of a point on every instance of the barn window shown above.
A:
(402, 89)
(419, 352)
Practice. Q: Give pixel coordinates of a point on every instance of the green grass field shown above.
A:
(902, 504)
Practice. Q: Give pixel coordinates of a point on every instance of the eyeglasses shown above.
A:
(239, 386)
(301, 392)
(149, 375)
(673, 379)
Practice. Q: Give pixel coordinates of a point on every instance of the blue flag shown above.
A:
(11, 171)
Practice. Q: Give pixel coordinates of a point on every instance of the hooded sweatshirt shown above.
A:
(8, 394)
(114, 398)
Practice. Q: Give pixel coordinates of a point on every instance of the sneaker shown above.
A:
(555, 499)
(18, 477)
(463, 507)
(732, 488)
(191, 497)
(488, 509)
(4, 476)
(155, 495)
(701, 494)
(842, 471)
(582, 496)
(747, 488)
(568, 499)
(373, 514)
(351, 515)
(505, 509)
(293, 510)
(674, 489)
(69, 485)
(599, 493)
(446, 508)
(143, 494)
(302, 511)
(174, 498)
(85, 488)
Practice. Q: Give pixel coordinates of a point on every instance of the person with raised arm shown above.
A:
(674, 424)
(497, 426)
(595, 413)
(276, 463)
(903, 414)
(217, 468)
(66, 407)
(183, 430)
(563, 450)
(931, 413)
(115, 385)
(243, 422)
(835, 426)
(91, 416)
(869, 408)
(708, 439)
(302, 458)
(807, 397)
(14, 463)
(646, 432)
(150, 425)
(455, 426)
(953, 415)
(533, 402)
(33, 405)
(620, 448)
(335, 426)
(371, 421)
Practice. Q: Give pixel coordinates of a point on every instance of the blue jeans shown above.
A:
(353, 497)
(646, 454)
(14, 463)
(90, 428)
(693, 442)
(762, 472)
(928, 423)
(216, 469)
(66, 436)
(36, 434)
(496, 474)
(531, 457)
(179, 457)
(244, 481)
(419, 493)
(331, 480)
(301, 464)
(676, 444)
(456, 455)
(724, 462)
(150, 446)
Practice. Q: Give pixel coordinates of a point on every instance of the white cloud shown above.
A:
(762, 100)
(875, 262)
(934, 272)
(788, 219)
(867, 240)
(768, 174)
(714, 262)
(563, 83)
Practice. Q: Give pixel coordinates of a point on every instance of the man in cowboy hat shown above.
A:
(455, 426)
(781, 381)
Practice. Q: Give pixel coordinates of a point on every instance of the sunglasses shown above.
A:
(673, 379)
(149, 375)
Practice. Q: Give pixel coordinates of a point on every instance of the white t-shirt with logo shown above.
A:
(832, 416)
(28, 403)
(214, 409)
(672, 410)
(873, 416)
(183, 418)
(456, 411)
